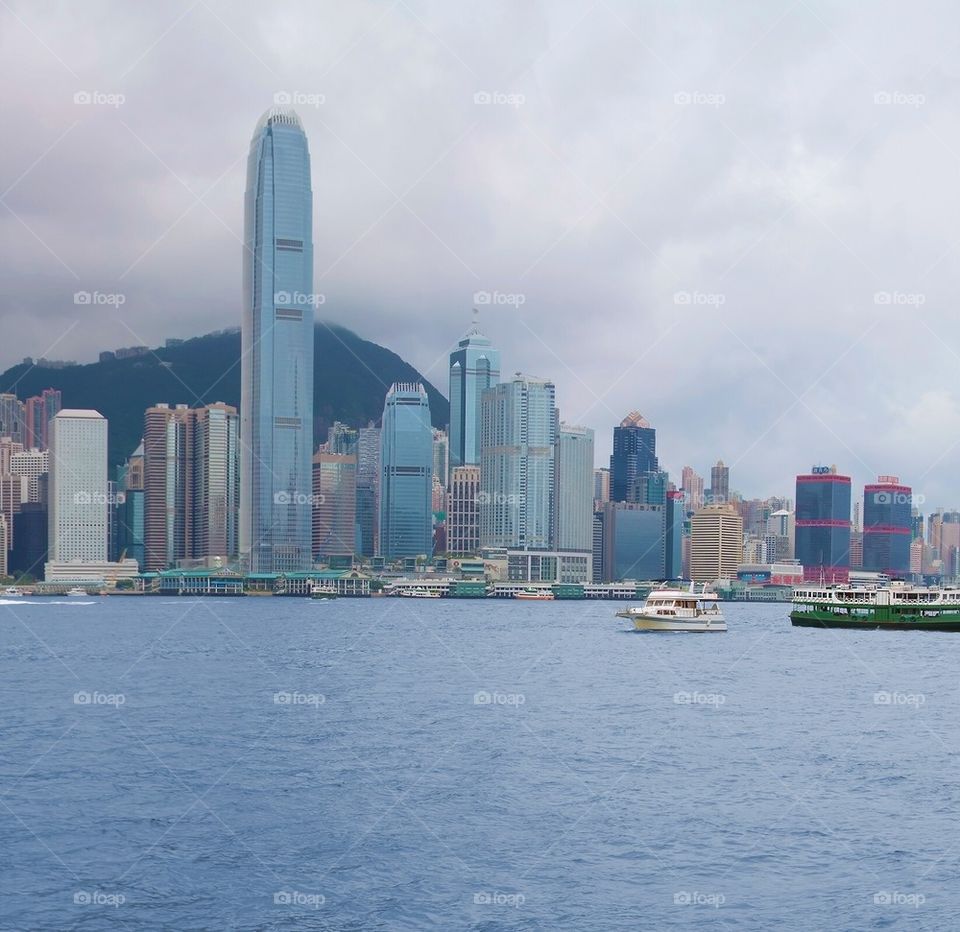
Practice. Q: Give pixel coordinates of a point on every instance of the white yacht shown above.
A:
(12, 592)
(76, 592)
(676, 610)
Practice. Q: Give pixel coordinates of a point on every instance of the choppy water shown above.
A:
(402, 764)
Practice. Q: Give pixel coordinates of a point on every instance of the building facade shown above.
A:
(822, 525)
(77, 505)
(634, 542)
(517, 461)
(716, 543)
(463, 511)
(276, 393)
(406, 473)
(334, 505)
(887, 527)
(573, 496)
(634, 454)
(474, 367)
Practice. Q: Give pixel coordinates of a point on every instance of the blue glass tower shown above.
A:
(634, 455)
(474, 366)
(406, 473)
(276, 395)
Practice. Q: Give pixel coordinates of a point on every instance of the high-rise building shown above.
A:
(441, 458)
(517, 461)
(887, 527)
(191, 484)
(77, 507)
(30, 533)
(368, 485)
(406, 473)
(634, 453)
(276, 378)
(474, 367)
(30, 465)
(601, 485)
(11, 417)
(716, 543)
(463, 511)
(334, 505)
(37, 413)
(674, 519)
(342, 439)
(692, 486)
(822, 535)
(719, 483)
(573, 496)
(634, 541)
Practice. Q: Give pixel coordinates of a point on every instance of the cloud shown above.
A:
(599, 159)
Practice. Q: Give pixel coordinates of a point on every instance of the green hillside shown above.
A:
(351, 378)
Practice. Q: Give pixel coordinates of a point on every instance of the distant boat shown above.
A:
(323, 593)
(76, 592)
(12, 592)
(676, 610)
(535, 595)
(420, 593)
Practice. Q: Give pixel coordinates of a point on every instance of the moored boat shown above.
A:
(676, 610)
(12, 592)
(898, 607)
(76, 592)
(323, 593)
(420, 593)
(535, 595)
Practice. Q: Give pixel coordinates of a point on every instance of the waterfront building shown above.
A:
(77, 506)
(574, 488)
(406, 473)
(716, 543)
(463, 511)
(634, 541)
(277, 347)
(474, 367)
(517, 462)
(822, 544)
(335, 505)
(887, 527)
(634, 453)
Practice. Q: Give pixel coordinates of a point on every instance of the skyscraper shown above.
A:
(692, 486)
(887, 527)
(77, 509)
(517, 450)
(441, 457)
(276, 396)
(406, 473)
(634, 541)
(634, 454)
(334, 505)
(37, 413)
(573, 499)
(822, 531)
(11, 417)
(716, 543)
(474, 367)
(463, 511)
(719, 483)
(368, 486)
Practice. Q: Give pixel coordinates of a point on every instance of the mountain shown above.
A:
(351, 378)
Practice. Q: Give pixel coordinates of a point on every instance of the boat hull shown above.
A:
(945, 622)
(652, 623)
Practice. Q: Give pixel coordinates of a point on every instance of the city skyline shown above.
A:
(589, 225)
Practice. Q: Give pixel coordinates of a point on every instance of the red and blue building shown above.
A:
(822, 537)
(887, 527)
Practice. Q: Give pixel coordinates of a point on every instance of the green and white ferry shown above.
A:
(897, 607)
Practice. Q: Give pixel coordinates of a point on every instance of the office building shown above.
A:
(634, 542)
(463, 511)
(574, 488)
(77, 505)
(887, 527)
(822, 525)
(719, 483)
(716, 543)
(406, 473)
(334, 505)
(474, 367)
(517, 460)
(276, 378)
(634, 453)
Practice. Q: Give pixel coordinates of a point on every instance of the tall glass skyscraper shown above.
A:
(406, 473)
(517, 462)
(887, 527)
(573, 498)
(634, 454)
(474, 366)
(822, 530)
(276, 397)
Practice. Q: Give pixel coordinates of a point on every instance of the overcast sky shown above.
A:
(738, 218)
